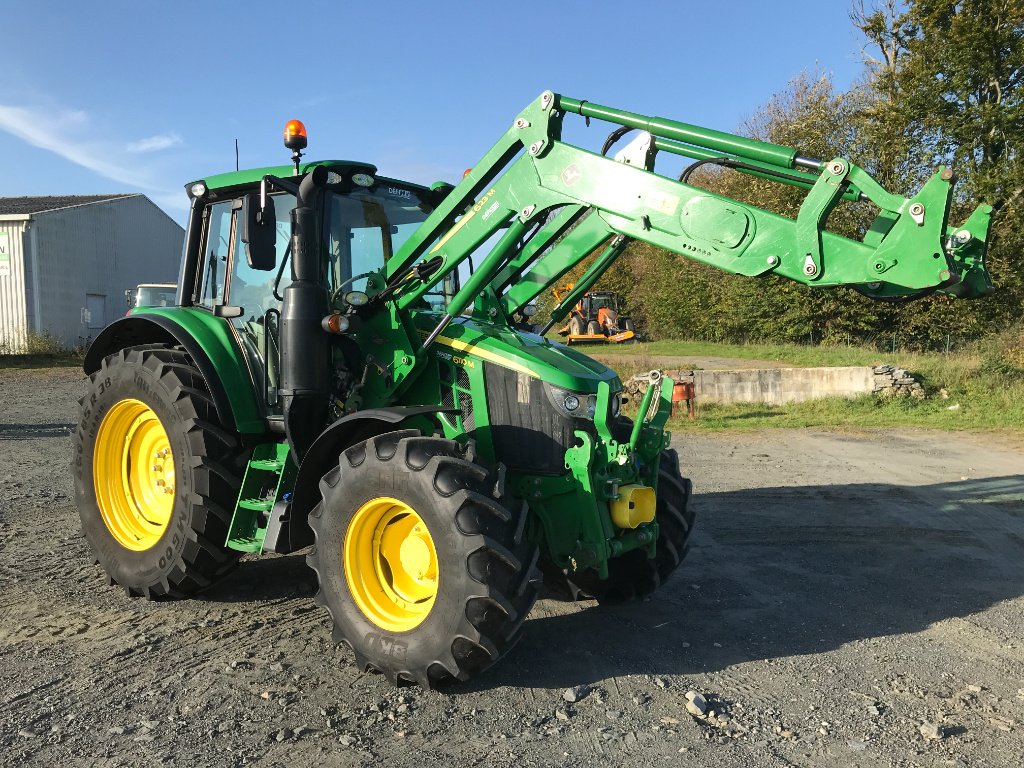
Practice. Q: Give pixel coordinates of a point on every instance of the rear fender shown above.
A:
(208, 341)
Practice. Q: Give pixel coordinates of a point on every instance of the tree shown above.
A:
(949, 83)
(942, 85)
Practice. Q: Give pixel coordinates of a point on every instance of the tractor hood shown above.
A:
(520, 351)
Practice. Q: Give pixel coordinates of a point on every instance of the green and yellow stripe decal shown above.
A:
(485, 354)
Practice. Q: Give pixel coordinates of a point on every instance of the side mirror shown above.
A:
(227, 311)
(259, 231)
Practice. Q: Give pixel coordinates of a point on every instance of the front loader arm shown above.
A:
(531, 171)
(540, 206)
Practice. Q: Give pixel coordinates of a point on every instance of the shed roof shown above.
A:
(27, 205)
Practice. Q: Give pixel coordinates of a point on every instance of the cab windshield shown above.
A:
(602, 301)
(366, 227)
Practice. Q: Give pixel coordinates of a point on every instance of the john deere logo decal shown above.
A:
(571, 175)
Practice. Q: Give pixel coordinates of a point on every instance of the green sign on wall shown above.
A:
(5, 255)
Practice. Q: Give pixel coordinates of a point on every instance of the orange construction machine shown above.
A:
(596, 318)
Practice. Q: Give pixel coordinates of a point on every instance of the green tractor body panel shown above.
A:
(527, 353)
(507, 386)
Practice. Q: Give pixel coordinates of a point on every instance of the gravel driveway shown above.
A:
(850, 599)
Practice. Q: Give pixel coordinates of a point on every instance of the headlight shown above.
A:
(575, 405)
(616, 404)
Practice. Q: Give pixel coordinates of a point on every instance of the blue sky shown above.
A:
(145, 96)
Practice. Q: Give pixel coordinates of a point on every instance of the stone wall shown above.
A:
(896, 382)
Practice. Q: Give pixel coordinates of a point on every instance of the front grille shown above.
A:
(528, 433)
(465, 400)
(455, 393)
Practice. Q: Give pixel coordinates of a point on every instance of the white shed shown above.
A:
(66, 262)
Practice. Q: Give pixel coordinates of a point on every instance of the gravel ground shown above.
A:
(850, 599)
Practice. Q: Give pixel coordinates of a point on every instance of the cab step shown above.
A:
(267, 483)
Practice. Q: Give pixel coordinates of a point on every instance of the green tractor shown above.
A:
(340, 373)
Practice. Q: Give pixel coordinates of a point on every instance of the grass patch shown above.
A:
(21, 362)
(39, 350)
(977, 410)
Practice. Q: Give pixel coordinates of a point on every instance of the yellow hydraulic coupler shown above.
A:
(635, 506)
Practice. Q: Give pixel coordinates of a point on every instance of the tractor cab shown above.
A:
(597, 301)
(238, 273)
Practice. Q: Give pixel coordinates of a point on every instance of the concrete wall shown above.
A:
(782, 385)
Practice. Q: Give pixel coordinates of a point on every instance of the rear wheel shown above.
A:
(156, 475)
(575, 326)
(427, 576)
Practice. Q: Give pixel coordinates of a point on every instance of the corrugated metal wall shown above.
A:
(12, 290)
(100, 250)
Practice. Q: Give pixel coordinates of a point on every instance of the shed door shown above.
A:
(95, 311)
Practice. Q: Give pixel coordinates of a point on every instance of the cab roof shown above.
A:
(250, 176)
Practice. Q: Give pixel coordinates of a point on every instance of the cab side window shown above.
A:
(251, 289)
(213, 275)
(358, 240)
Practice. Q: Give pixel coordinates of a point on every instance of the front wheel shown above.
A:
(427, 576)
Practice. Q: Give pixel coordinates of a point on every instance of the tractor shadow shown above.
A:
(265, 578)
(778, 572)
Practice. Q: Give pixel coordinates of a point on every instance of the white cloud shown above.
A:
(67, 133)
(155, 143)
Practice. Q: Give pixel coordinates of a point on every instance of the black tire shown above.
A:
(575, 326)
(627, 325)
(594, 328)
(488, 577)
(634, 575)
(190, 554)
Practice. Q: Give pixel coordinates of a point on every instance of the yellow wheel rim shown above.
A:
(391, 564)
(133, 475)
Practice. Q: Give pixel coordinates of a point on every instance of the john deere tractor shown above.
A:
(339, 375)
